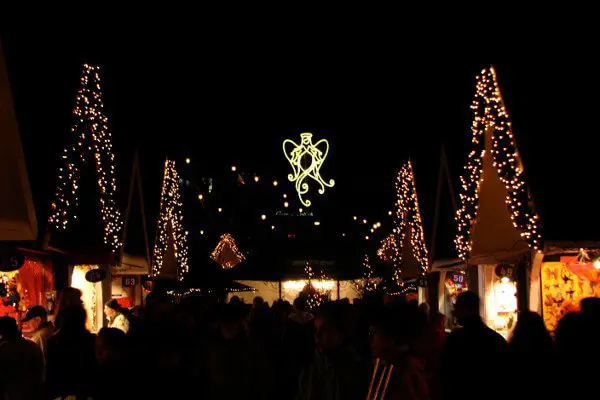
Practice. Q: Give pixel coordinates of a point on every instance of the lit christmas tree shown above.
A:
(408, 215)
(170, 231)
(92, 142)
(491, 118)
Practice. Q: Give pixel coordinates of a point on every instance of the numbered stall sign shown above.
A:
(505, 271)
(129, 281)
(11, 259)
(95, 275)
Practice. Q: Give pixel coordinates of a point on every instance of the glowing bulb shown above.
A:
(285, 196)
(355, 218)
(317, 223)
(202, 232)
(275, 183)
(220, 209)
(187, 161)
(597, 264)
(263, 217)
(390, 213)
(379, 224)
(364, 221)
(272, 227)
(233, 168)
(256, 179)
(300, 210)
(366, 238)
(286, 204)
(200, 197)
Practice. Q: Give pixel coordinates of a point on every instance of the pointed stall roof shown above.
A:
(17, 214)
(496, 217)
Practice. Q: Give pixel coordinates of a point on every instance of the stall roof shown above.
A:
(17, 214)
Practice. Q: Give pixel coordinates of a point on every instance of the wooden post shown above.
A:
(338, 289)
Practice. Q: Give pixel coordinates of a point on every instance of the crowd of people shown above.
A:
(199, 348)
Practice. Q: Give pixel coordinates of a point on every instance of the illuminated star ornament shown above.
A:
(491, 117)
(306, 160)
(170, 230)
(94, 144)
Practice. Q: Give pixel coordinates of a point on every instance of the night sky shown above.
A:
(378, 103)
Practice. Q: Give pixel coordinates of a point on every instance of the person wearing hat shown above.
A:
(37, 319)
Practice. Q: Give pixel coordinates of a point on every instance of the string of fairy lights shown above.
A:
(170, 224)
(490, 116)
(92, 140)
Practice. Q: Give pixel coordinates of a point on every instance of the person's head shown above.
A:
(258, 303)
(530, 333)
(112, 308)
(35, 317)
(331, 328)
(467, 307)
(8, 329)
(300, 304)
(110, 345)
(73, 319)
(69, 296)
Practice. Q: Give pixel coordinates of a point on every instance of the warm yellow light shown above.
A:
(597, 264)
(355, 218)
(286, 204)
(306, 160)
(233, 168)
(275, 183)
(300, 210)
(390, 213)
(263, 217)
(298, 285)
(202, 232)
(200, 197)
(256, 179)
(366, 238)
(220, 209)
(285, 196)
(365, 221)
(272, 227)
(317, 223)
(379, 224)
(187, 161)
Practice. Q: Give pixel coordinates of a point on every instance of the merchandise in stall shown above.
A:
(566, 279)
(454, 283)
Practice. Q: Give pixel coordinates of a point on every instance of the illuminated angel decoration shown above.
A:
(306, 160)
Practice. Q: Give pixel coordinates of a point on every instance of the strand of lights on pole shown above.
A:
(171, 212)
(409, 221)
(490, 115)
(93, 135)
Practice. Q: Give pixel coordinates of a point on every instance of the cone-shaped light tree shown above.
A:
(170, 234)
(93, 143)
(491, 122)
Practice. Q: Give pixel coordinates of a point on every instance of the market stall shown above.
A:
(498, 228)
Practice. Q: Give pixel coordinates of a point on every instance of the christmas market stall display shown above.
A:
(568, 273)
(281, 273)
(89, 262)
(26, 277)
(404, 248)
(134, 256)
(498, 228)
(170, 260)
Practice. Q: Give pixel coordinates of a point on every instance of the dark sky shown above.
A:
(376, 100)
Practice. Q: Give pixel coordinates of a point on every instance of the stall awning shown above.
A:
(17, 215)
